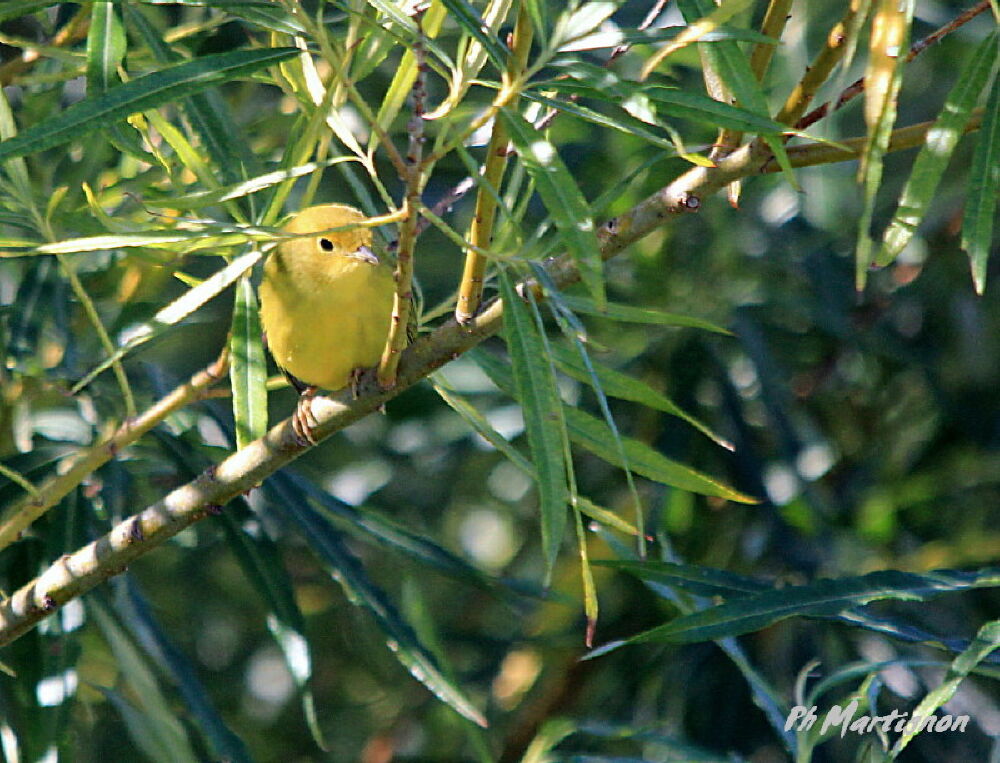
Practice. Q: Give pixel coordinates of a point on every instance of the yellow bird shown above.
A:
(325, 304)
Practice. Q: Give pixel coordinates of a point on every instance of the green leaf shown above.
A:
(260, 559)
(876, 146)
(135, 611)
(105, 48)
(347, 570)
(152, 724)
(595, 436)
(472, 24)
(536, 391)
(147, 92)
(728, 61)
(176, 311)
(213, 196)
(701, 108)
(578, 21)
(14, 8)
(632, 314)
(621, 120)
(604, 516)
(821, 598)
(624, 387)
(987, 641)
(614, 37)
(478, 422)
(563, 200)
(930, 164)
(984, 190)
(248, 369)
(666, 577)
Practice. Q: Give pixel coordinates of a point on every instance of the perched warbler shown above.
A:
(325, 304)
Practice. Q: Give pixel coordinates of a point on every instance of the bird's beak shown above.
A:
(365, 254)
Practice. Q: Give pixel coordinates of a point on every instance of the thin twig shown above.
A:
(413, 179)
(812, 154)
(858, 86)
(818, 72)
(451, 197)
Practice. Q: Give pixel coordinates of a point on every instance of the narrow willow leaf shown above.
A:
(149, 91)
(481, 31)
(575, 333)
(624, 387)
(248, 369)
(987, 641)
(611, 38)
(883, 78)
(133, 608)
(929, 166)
(701, 108)
(539, 398)
(984, 190)
(14, 8)
(394, 11)
(666, 577)
(604, 516)
(578, 21)
(621, 120)
(472, 52)
(211, 197)
(176, 311)
(105, 48)
(478, 422)
(703, 581)
(153, 725)
(563, 199)
(632, 314)
(260, 559)
(821, 598)
(595, 436)
(732, 66)
(347, 570)
(695, 32)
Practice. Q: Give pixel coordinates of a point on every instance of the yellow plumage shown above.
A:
(326, 300)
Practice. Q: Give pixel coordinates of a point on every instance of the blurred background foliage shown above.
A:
(868, 425)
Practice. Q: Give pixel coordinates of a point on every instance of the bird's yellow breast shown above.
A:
(325, 313)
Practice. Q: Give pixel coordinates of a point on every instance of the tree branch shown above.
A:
(79, 572)
(22, 513)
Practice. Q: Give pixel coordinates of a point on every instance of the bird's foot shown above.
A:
(357, 379)
(303, 420)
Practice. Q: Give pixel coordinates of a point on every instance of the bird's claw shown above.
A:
(303, 420)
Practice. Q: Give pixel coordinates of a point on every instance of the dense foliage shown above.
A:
(803, 387)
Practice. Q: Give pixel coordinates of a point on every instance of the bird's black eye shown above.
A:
(326, 245)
